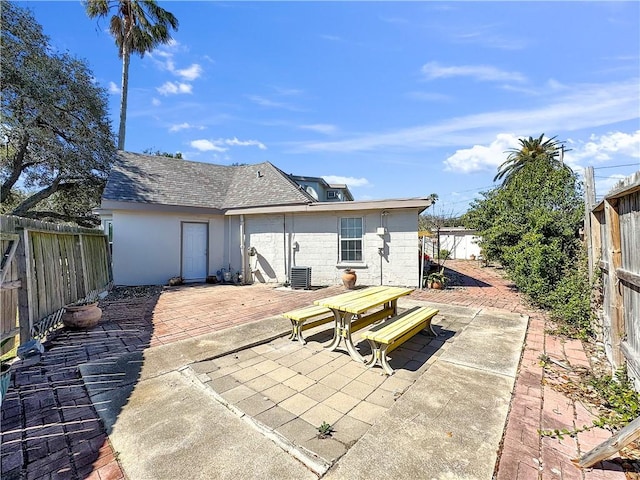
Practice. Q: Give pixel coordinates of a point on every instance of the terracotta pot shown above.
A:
(82, 316)
(436, 285)
(349, 278)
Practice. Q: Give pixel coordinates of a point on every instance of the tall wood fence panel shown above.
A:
(52, 266)
(614, 241)
(10, 282)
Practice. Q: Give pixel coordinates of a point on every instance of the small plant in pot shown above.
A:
(437, 280)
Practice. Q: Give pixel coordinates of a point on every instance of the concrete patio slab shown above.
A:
(171, 429)
(446, 426)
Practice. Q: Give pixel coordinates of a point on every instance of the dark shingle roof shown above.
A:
(170, 181)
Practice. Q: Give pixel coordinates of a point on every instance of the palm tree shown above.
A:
(531, 149)
(138, 26)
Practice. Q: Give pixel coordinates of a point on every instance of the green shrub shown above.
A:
(570, 301)
(620, 399)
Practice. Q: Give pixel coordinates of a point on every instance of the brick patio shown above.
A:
(51, 430)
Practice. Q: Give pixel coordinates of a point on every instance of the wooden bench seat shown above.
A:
(389, 335)
(300, 316)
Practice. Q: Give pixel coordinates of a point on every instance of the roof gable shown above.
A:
(161, 180)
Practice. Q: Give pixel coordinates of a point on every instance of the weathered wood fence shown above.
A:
(612, 233)
(46, 266)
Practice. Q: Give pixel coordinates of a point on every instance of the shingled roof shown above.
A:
(160, 180)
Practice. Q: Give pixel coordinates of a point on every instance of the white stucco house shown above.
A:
(170, 217)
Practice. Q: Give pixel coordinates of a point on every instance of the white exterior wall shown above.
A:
(147, 246)
(460, 245)
(317, 239)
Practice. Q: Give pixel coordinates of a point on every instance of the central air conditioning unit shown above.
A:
(300, 277)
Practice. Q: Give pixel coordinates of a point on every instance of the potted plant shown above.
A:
(349, 278)
(437, 280)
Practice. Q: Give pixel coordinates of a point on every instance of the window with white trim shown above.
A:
(351, 233)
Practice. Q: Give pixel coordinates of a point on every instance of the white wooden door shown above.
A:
(194, 252)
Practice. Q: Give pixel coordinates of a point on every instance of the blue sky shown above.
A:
(395, 99)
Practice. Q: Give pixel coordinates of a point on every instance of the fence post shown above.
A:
(616, 302)
(83, 259)
(589, 202)
(25, 316)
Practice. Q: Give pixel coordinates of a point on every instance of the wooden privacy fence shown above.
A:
(612, 234)
(46, 266)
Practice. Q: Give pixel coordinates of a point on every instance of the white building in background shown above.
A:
(461, 243)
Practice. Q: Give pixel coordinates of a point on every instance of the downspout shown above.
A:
(284, 245)
(229, 246)
(242, 251)
(383, 214)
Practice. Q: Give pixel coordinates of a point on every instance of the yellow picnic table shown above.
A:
(348, 309)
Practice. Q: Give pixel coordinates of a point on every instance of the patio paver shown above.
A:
(50, 427)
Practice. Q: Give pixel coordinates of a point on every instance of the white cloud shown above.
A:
(163, 58)
(180, 126)
(605, 185)
(433, 70)
(486, 36)
(480, 157)
(155, 102)
(579, 107)
(170, 88)
(605, 147)
(350, 181)
(207, 146)
(320, 128)
(234, 142)
(190, 73)
(265, 102)
(113, 88)
(223, 144)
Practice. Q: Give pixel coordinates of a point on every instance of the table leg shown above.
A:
(346, 333)
(337, 328)
(342, 331)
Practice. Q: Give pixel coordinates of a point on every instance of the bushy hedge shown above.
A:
(530, 225)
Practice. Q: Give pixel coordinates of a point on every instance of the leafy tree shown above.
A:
(530, 224)
(58, 144)
(137, 26)
(158, 153)
(531, 150)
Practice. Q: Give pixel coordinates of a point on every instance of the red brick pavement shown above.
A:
(535, 405)
(50, 428)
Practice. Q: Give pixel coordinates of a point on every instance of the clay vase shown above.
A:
(81, 316)
(349, 278)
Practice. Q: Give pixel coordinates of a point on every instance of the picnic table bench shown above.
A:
(389, 335)
(300, 316)
(350, 312)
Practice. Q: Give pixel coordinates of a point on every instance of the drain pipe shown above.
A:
(383, 214)
(242, 252)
